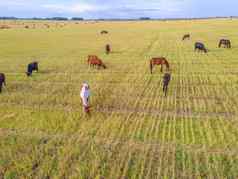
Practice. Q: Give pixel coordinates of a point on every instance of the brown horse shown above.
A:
(225, 42)
(186, 36)
(104, 32)
(5, 27)
(158, 61)
(108, 49)
(93, 60)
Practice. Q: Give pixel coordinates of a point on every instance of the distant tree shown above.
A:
(8, 18)
(58, 18)
(37, 18)
(145, 18)
(77, 19)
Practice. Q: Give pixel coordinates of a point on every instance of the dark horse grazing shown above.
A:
(93, 60)
(2, 81)
(104, 32)
(32, 67)
(108, 49)
(200, 47)
(186, 36)
(158, 61)
(166, 80)
(225, 43)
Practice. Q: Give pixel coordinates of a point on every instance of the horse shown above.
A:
(108, 49)
(93, 60)
(200, 47)
(225, 42)
(166, 80)
(158, 61)
(2, 81)
(104, 32)
(5, 27)
(32, 67)
(186, 36)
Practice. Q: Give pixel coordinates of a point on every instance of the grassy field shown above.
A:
(134, 131)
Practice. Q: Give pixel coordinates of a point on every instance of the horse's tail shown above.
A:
(151, 66)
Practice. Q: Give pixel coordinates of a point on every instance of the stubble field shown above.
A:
(134, 131)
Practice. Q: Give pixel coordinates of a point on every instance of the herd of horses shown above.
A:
(226, 43)
(94, 61)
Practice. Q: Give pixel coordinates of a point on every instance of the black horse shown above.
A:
(2, 81)
(200, 47)
(32, 67)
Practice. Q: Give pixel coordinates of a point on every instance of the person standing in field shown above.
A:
(166, 80)
(85, 94)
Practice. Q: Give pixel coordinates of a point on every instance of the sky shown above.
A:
(90, 9)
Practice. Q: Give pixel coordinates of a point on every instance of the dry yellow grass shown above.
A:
(134, 131)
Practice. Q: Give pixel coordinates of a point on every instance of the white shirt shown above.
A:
(84, 94)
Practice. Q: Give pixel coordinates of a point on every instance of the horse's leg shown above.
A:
(166, 90)
(163, 87)
(161, 69)
(151, 67)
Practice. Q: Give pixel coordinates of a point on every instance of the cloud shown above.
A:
(72, 8)
(118, 8)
